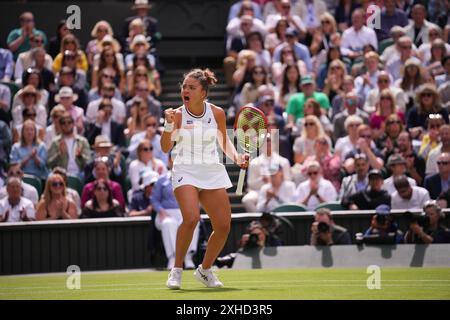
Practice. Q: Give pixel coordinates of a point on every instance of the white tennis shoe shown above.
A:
(174, 280)
(207, 277)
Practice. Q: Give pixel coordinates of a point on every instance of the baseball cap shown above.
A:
(149, 177)
(266, 98)
(375, 172)
(383, 209)
(396, 159)
(306, 79)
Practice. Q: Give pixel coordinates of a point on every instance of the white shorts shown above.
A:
(203, 176)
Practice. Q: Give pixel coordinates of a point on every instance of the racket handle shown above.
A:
(240, 184)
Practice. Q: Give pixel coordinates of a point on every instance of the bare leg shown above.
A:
(188, 200)
(217, 205)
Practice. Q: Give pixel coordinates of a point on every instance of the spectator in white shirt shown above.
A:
(277, 192)
(258, 172)
(316, 189)
(284, 10)
(356, 37)
(397, 164)
(28, 191)
(394, 67)
(118, 113)
(15, 207)
(406, 196)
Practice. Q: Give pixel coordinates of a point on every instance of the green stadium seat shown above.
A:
(290, 207)
(75, 183)
(332, 205)
(34, 181)
(384, 44)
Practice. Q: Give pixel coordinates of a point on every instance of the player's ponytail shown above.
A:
(206, 77)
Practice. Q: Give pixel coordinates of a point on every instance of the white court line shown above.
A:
(81, 291)
(231, 281)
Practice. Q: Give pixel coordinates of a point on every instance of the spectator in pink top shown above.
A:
(101, 171)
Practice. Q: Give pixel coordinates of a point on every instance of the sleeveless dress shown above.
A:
(196, 158)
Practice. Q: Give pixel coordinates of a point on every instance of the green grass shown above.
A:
(266, 284)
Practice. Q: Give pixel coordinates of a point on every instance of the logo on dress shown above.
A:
(209, 120)
(179, 180)
(189, 122)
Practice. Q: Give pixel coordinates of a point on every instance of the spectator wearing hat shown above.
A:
(141, 200)
(66, 97)
(397, 165)
(315, 190)
(297, 101)
(69, 150)
(371, 197)
(102, 168)
(19, 39)
(276, 192)
(439, 182)
(30, 97)
(359, 181)
(383, 229)
(434, 232)
(15, 207)
(357, 36)
(27, 114)
(141, 9)
(66, 78)
(103, 148)
(325, 232)
(407, 196)
(32, 76)
(393, 51)
(106, 126)
(168, 218)
(140, 46)
(28, 191)
(300, 50)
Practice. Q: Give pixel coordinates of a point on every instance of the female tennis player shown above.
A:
(198, 176)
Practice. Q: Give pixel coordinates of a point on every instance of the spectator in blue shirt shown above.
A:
(6, 65)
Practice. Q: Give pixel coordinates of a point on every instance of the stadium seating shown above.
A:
(75, 183)
(35, 182)
(335, 205)
(290, 207)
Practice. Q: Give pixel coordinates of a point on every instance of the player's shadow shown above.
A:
(327, 256)
(419, 255)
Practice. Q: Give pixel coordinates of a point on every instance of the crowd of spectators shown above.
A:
(362, 113)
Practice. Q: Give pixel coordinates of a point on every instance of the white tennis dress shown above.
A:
(196, 158)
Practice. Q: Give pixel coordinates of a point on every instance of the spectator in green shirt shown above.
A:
(19, 39)
(297, 101)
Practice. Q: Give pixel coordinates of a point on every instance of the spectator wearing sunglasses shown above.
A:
(430, 140)
(69, 150)
(106, 126)
(28, 191)
(384, 82)
(439, 182)
(351, 108)
(103, 204)
(145, 159)
(316, 189)
(55, 203)
(415, 164)
(444, 146)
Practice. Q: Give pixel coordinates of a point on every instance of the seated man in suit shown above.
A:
(105, 125)
(439, 182)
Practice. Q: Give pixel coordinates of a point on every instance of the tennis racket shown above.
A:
(250, 129)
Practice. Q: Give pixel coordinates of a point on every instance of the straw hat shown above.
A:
(140, 38)
(141, 4)
(65, 92)
(29, 89)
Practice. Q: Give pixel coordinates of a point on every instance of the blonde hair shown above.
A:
(320, 131)
(47, 195)
(137, 23)
(328, 16)
(102, 23)
(36, 138)
(387, 92)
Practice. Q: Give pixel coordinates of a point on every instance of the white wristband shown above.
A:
(168, 127)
